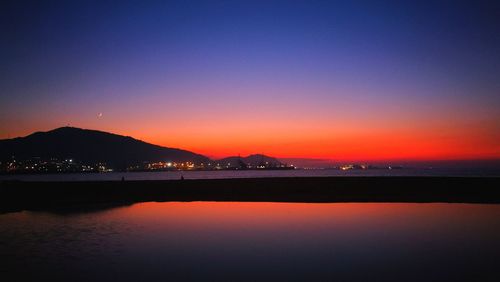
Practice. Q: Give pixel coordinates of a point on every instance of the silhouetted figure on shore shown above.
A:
(182, 177)
(123, 178)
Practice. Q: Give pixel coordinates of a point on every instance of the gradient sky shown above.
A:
(370, 80)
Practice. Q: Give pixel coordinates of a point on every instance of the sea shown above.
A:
(253, 241)
(222, 174)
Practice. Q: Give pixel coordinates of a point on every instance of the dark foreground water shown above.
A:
(221, 174)
(228, 241)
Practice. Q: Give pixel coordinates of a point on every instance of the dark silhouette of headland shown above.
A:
(70, 149)
(91, 146)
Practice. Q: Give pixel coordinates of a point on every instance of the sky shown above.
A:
(343, 80)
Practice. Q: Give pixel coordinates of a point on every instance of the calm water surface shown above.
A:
(166, 175)
(231, 241)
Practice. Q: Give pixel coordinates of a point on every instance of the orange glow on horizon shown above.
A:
(356, 138)
(437, 142)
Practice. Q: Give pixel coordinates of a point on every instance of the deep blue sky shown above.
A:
(319, 62)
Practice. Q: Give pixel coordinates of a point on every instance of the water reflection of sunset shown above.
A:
(275, 215)
(258, 241)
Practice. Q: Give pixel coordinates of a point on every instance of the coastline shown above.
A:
(20, 195)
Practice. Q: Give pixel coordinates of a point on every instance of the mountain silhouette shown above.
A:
(251, 160)
(92, 146)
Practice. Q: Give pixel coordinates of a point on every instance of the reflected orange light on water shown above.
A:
(268, 215)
